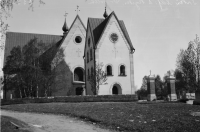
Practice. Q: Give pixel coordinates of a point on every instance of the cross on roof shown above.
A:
(77, 10)
(150, 72)
(66, 14)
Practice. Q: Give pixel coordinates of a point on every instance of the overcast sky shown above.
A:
(158, 28)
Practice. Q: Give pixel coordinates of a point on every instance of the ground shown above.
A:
(51, 123)
(125, 116)
(9, 124)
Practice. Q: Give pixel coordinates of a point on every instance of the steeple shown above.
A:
(65, 27)
(105, 13)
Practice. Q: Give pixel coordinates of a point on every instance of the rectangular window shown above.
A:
(87, 57)
(88, 73)
(90, 54)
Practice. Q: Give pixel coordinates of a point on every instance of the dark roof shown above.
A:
(98, 25)
(47, 57)
(14, 39)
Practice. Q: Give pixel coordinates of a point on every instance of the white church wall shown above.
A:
(74, 51)
(107, 56)
(73, 58)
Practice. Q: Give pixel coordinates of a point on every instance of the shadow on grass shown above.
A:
(9, 124)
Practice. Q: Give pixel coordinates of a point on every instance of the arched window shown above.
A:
(91, 54)
(78, 74)
(88, 73)
(92, 71)
(109, 70)
(87, 57)
(88, 42)
(122, 70)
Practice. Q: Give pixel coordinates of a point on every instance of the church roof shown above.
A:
(14, 39)
(98, 25)
(47, 57)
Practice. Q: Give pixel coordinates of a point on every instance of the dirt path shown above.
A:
(53, 123)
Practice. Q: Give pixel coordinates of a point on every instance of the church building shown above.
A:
(108, 43)
(70, 78)
(75, 54)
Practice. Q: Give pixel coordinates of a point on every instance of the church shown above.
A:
(104, 41)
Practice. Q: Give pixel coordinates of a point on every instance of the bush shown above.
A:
(196, 102)
(183, 100)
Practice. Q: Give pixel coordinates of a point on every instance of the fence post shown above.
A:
(171, 88)
(151, 88)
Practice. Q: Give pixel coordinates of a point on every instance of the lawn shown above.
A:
(126, 116)
(7, 126)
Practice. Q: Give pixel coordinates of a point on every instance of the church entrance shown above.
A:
(79, 91)
(116, 89)
(79, 74)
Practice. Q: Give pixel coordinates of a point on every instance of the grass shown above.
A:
(7, 126)
(126, 116)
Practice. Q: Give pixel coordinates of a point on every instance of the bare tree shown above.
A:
(5, 9)
(98, 77)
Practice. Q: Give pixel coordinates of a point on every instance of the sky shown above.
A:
(158, 28)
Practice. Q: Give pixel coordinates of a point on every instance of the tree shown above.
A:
(142, 92)
(49, 70)
(23, 69)
(180, 82)
(164, 87)
(13, 70)
(144, 83)
(98, 77)
(188, 63)
(6, 7)
(158, 87)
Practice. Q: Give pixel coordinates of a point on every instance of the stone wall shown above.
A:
(92, 98)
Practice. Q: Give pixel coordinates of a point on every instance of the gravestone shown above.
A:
(151, 88)
(171, 88)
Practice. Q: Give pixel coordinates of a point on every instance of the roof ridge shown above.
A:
(96, 18)
(32, 33)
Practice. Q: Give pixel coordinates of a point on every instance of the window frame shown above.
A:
(88, 57)
(88, 73)
(111, 70)
(91, 58)
(122, 72)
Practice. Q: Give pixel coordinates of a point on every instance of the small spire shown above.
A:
(105, 13)
(65, 27)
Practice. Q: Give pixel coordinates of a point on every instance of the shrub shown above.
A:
(183, 100)
(196, 102)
